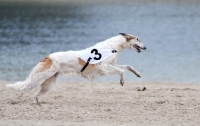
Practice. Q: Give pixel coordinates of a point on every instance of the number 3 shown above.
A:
(95, 51)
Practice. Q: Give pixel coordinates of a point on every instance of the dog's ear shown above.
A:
(123, 34)
(128, 37)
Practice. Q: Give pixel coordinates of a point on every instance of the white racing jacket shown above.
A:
(95, 54)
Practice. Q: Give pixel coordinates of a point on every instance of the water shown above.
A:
(170, 31)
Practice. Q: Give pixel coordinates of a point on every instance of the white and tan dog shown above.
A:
(45, 73)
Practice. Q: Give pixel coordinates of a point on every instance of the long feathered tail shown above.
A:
(31, 79)
(17, 86)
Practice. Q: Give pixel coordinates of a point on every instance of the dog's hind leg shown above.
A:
(33, 82)
(46, 86)
(130, 68)
(40, 73)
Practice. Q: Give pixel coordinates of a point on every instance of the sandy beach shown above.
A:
(81, 103)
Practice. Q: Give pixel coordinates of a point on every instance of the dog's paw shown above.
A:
(138, 75)
(122, 82)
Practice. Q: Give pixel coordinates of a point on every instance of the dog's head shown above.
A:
(132, 42)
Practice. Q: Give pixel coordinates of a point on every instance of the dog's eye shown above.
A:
(137, 39)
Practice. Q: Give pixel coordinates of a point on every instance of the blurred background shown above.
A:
(170, 29)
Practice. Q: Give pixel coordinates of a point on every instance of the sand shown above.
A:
(84, 104)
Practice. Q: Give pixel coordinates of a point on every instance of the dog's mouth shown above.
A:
(138, 48)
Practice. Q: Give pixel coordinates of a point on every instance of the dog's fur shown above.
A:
(45, 73)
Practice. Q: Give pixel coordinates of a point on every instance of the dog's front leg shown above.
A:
(130, 68)
(110, 69)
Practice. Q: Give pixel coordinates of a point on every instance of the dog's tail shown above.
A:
(17, 86)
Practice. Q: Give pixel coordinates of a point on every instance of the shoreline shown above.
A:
(80, 103)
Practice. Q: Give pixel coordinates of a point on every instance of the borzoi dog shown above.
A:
(91, 63)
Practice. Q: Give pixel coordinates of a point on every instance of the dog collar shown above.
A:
(114, 51)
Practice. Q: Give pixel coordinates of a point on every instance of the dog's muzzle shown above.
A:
(138, 48)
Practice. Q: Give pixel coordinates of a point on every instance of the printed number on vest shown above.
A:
(95, 51)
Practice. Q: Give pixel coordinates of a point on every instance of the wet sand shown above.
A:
(81, 103)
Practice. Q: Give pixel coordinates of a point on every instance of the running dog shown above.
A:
(91, 63)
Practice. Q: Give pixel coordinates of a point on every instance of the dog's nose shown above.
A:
(144, 48)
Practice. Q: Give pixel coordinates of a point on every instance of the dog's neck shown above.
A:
(115, 43)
